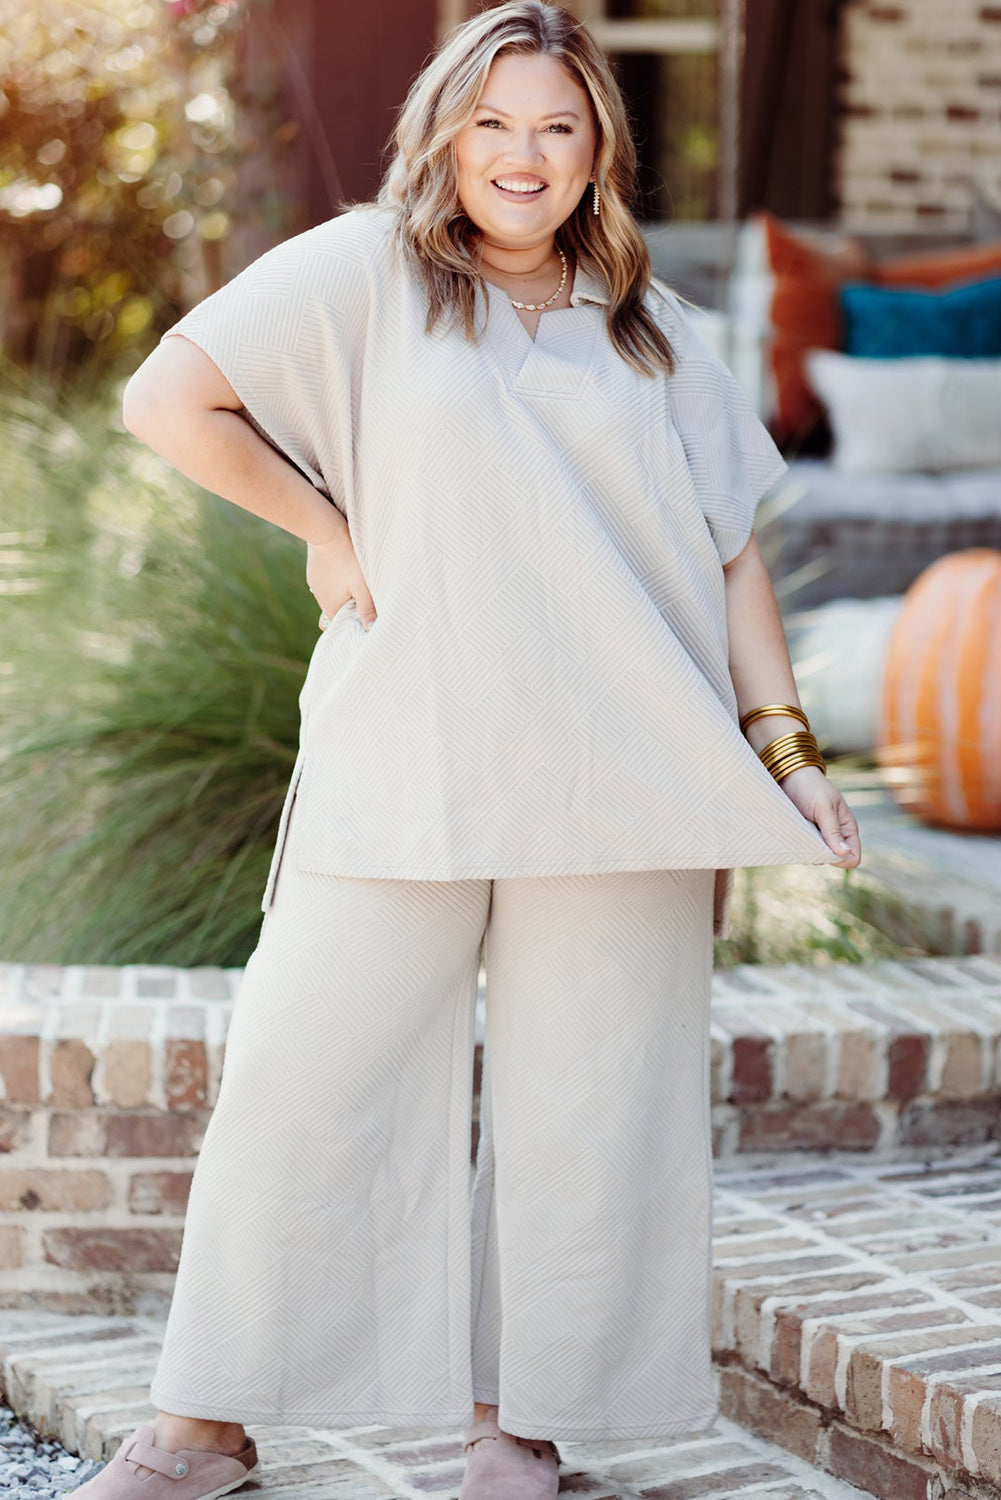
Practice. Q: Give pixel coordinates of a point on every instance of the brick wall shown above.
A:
(919, 107)
(108, 1078)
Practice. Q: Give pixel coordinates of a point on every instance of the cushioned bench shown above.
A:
(852, 536)
(872, 534)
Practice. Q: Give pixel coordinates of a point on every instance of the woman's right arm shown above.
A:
(181, 405)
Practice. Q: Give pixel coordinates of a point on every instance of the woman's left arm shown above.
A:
(762, 673)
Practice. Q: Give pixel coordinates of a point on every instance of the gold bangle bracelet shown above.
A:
(774, 753)
(772, 708)
(782, 768)
(799, 748)
(796, 739)
(790, 751)
(794, 764)
(795, 752)
(784, 771)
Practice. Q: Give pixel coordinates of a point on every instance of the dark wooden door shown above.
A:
(342, 70)
(789, 107)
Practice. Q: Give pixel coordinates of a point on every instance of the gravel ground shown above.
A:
(37, 1466)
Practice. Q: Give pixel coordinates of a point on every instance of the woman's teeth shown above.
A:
(523, 189)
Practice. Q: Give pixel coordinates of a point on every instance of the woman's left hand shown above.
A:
(819, 800)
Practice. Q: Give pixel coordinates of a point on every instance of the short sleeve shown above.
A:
(286, 333)
(732, 457)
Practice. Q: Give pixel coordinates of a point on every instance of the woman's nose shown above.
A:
(525, 147)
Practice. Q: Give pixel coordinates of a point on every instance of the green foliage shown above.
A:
(120, 153)
(154, 646)
(808, 914)
(822, 914)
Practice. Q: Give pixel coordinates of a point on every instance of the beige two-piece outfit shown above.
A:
(536, 745)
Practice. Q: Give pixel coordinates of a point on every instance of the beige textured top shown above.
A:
(546, 688)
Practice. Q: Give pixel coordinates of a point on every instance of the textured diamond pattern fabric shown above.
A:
(546, 689)
(338, 1268)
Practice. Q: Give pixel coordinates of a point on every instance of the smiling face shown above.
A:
(525, 157)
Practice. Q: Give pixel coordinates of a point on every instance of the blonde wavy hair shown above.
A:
(436, 236)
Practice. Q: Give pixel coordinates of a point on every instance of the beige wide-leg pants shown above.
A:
(337, 1267)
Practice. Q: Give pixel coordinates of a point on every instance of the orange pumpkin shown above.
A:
(939, 727)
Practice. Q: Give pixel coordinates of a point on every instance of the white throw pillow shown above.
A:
(919, 413)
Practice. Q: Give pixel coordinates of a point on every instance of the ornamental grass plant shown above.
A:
(153, 642)
(153, 645)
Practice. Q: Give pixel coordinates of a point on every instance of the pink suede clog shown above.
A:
(188, 1474)
(501, 1466)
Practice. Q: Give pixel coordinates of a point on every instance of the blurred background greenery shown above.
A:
(154, 643)
(123, 127)
(152, 638)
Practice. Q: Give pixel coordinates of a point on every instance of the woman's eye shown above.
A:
(566, 129)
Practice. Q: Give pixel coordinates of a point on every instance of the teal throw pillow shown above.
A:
(882, 322)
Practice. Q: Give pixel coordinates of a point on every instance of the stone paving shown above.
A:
(856, 1325)
(857, 1287)
(83, 1380)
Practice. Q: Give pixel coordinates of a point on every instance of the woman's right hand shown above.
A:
(333, 576)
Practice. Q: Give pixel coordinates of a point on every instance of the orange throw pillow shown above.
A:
(935, 268)
(804, 314)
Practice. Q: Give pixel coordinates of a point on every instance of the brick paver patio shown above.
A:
(857, 1316)
(83, 1379)
(857, 1325)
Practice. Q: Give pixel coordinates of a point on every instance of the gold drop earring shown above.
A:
(597, 197)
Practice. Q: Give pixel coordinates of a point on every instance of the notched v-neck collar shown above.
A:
(557, 361)
(588, 288)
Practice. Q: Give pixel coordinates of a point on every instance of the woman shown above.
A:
(527, 489)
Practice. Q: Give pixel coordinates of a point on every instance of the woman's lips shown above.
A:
(514, 197)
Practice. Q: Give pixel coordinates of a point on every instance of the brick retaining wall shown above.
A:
(108, 1078)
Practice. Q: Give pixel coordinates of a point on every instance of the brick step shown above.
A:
(108, 1077)
(899, 1054)
(83, 1380)
(856, 1325)
(857, 1317)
